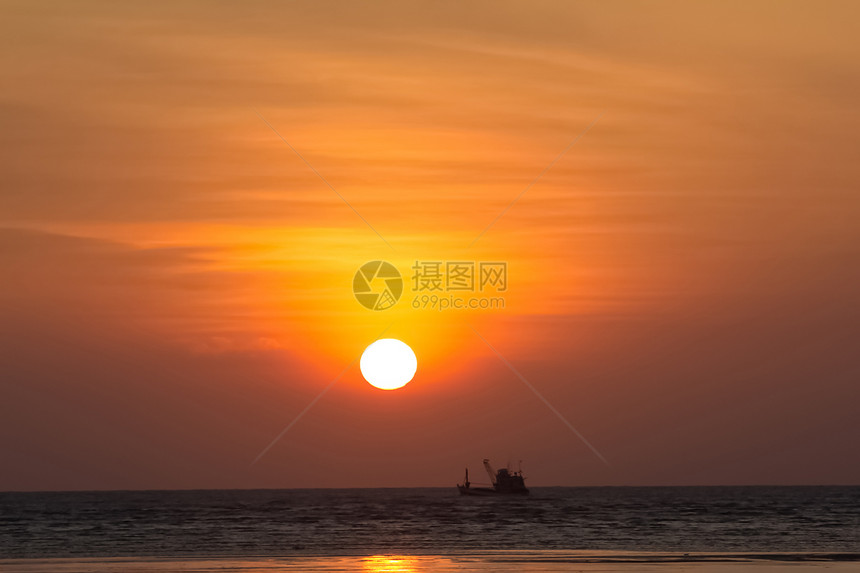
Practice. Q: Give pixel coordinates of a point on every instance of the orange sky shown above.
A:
(177, 282)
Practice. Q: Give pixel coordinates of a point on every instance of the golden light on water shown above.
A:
(385, 564)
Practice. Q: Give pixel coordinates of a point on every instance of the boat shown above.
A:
(504, 482)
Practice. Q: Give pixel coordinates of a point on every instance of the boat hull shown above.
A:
(487, 492)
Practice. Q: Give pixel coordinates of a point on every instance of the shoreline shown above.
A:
(549, 560)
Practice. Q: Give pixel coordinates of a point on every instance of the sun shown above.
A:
(388, 364)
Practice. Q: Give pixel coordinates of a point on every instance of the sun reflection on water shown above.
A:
(389, 564)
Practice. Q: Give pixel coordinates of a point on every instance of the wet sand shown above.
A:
(546, 561)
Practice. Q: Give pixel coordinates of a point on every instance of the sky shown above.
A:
(188, 189)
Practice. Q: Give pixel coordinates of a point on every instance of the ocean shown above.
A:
(355, 522)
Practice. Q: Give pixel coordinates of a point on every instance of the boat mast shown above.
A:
(490, 471)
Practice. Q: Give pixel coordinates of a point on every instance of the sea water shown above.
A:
(245, 523)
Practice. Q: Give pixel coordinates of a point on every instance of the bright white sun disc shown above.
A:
(388, 364)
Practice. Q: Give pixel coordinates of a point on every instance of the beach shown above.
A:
(547, 561)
